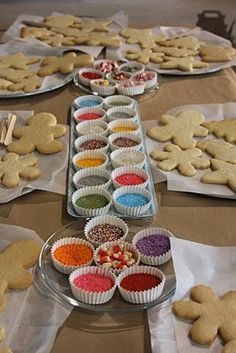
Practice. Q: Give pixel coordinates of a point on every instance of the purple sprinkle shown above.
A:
(153, 245)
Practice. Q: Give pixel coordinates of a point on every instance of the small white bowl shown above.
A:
(104, 90)
(98, 127)
(133, 66)
(130, 88)
(112, 76)
(105, 65)
(118, 101)
(149, 82)
(83, 173)
(91, 110)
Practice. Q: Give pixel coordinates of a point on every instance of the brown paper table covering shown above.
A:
(195, 217)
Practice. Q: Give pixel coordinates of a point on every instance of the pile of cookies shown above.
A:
(185, 153)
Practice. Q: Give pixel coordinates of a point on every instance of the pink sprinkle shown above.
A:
(89, 116)
(93, 282)
(129, 179)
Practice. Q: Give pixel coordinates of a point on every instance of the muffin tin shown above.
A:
(71, 189)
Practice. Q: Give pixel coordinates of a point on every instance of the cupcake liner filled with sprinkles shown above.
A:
(88, 101)
(69, 254)
(98, 127)
(91, 142)
(116, 256)
(90, 159)
(102, 229)
(132, 200)
(90, 113)
(86, 75)
(92, 177)
(91, 201)
(124, 113)
(124, 140)
(129, 176)
(103, 87)
(118, 101)
(93, 285)
(141, 284)
(123, 125)
(153, 244)
(126, 156)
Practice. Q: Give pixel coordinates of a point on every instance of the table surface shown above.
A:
(190, 216)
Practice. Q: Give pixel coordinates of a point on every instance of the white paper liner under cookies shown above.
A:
(124, 157)
(78, 101)
(93, 110)
(152, 260)
(110, 102)
(139, 297)
(89, 155)
(81, 139)
(129, 170)
(97, 127)
(83, 173)
(67, 269)
(121, 109)
(134, 211)
(92, 297)
(106, 219)
(118, 123)
(127, 135)
(91, 212)
(125, 246)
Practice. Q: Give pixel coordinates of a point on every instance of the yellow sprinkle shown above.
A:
(89, 162)
(123, 128)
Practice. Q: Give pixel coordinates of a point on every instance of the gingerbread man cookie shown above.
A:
(101, 39)
(57, 40)
(34, 32)
(219, 149)
(215, 54)
(27, 84)
(184, 64)
(39, 133)
(224, 128)
(175, 52)
(94, 26)
(185, 161)
(144, 56)
(223, 173)
(144, 37)
(62, 21)
(4, 83)
(14, 75)
(185, 42)
(17, 61)
(180, 128)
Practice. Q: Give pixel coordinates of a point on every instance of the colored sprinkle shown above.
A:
(89, 116)
(94, 129)
(73, 254)
(93, 282)
(119, 76)
(123, 128)
(91, 75)
(132, 200)
(129, 179)
(89, 162)
(121, 115)
(91, 180)
(119, 103)
(92, 144)
(92, 201)
(89, 103)
(131, 158)
(154, 245)
(124, 142)
(106, 66)
(144, 76)
(140, 282)
(102, 233)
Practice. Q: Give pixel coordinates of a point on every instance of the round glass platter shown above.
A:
(58, 283)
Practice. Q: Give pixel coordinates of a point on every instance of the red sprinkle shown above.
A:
(129, 179)
(91, 75)
(140, 282)
(90, 116)
(93, 282)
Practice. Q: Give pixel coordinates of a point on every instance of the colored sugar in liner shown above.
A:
(106, 66)
(93, 282)
(133, 157)
(89, 103)
(91, 75)
(144, 76)
(92, 144)
(104, 82)
(129, 179)
(92, 201)
(124, 142)
(122, 128)
(140, 282)
(73, 254)
(118, 103)
(131, 69)
(95, 129)
(115, 257)
(153, 245)
(102, 233)
(121, 115)
(91, 180)
(90, 116)
(89, 162)
(119, 76)
(132, 200)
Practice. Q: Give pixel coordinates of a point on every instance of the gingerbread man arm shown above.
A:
(204, 331)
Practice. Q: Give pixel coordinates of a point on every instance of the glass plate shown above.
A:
(58, 283)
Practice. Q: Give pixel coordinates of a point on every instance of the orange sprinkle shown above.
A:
(73, 254)
(123, 128)
(89, 162)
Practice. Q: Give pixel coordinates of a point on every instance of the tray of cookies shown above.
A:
(109, 172)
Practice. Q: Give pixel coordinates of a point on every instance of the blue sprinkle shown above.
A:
(132, 200)
(89, 103)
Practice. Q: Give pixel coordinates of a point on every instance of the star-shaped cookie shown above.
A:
(219, 149)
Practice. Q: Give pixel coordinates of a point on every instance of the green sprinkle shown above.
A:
(92, 201)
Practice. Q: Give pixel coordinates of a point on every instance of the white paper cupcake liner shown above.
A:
(107, 219)
(128, 135)
(127, 76)
(128, 102)
(92, 126)
(146, 296)
(92, 297)
(112, 63)
(124, 157)
(89, 154)
(93, 110)
(132, 90)
(124, 123)
(86, 81)
(133, 64)
(83, 173)
(149, 83)
(102, 89)
(91, 190)
(126, 246)
(129, 170)
(96, 99)
(134, 211)
(66, 241)
(152, 260)
(78, 142)
(122, 109)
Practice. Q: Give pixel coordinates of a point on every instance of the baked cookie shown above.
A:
(212, 315)
(39, 134)
(185, 42)
(224, 128)
(101, 39)
(223, 173)
(215, 53)
(12, 167)
(14, 260)
(184, 64)
(14, 75)
(27, 84)
(5, 350)
(230, 347)
(2, 334)
(17, 61)
(219, 149)
(144, 56)
(34, 32)
(4, 83)
(62, 21)
(175, 52)
(180, 128)
(57, 40)
(67, 32)
(144, 37)
(64, 64)
(94, 26)
(186, 161)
